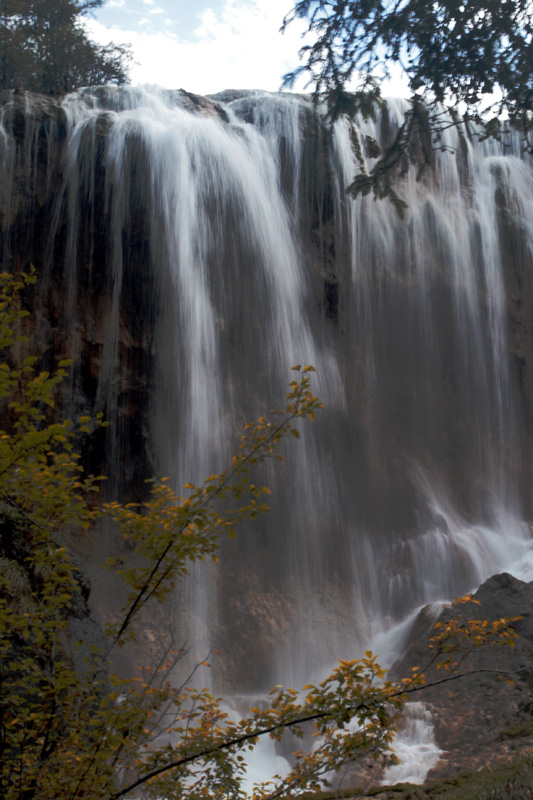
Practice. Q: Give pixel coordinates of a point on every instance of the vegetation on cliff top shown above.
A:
(45, 48)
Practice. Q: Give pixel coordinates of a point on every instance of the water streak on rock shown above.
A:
(203, 246)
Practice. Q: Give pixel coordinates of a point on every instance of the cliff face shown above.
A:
(98, 296)
(60, 224)
(190, 250)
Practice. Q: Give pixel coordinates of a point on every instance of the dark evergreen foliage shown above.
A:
(44, 48)
(473, 52)
(455, 49)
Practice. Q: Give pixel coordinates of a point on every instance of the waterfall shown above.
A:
(225, 227)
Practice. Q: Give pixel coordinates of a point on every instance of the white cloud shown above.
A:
(237, 48)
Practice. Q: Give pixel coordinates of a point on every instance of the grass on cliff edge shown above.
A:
(506, 781)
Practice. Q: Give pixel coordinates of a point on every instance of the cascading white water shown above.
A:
(413, 486)
(233, 209)
(414, 747)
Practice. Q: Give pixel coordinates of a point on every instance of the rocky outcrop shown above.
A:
(487, 715)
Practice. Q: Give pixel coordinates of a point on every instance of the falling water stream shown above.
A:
(413, 485)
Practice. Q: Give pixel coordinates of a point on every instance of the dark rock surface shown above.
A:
(66, 238)
(82, 638)
(481, 717)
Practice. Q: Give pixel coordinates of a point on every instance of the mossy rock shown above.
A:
(506, 781)
(517, 731)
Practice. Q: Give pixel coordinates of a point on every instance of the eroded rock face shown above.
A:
(58, 222)
(480, 717)
(190, 250)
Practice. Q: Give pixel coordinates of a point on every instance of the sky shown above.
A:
(205, 46)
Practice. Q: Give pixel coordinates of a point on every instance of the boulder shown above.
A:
(486, 714)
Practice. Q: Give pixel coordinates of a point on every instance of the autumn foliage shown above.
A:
(71, 730)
